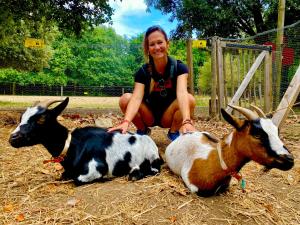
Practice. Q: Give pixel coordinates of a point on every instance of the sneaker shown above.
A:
(173, 135)
(147, 131)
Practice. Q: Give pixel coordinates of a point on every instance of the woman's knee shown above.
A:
(123, 101)
(177, 116)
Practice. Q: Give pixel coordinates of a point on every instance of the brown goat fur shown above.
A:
(206, 164)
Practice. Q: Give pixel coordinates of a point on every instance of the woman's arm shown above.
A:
(132, 107)
(183, 102)
(135, 101)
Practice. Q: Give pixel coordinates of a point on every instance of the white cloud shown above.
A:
(131, 18)
(126, 8)
(122, 30)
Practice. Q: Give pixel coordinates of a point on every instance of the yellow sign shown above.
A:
(34, 43)
(199, 44)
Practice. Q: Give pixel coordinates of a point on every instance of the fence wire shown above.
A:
(237, 63)
(285, 61)
(68, 90)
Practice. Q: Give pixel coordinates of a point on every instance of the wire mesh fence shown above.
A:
(57, 90)
(285, 60)
(237, 62)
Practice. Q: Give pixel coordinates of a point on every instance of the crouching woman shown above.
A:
(160, 96)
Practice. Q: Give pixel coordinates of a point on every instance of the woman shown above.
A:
(160, 95)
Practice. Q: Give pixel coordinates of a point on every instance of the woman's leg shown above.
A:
(143, 119)
(172, 117)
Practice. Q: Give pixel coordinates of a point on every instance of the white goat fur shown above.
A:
(207, 164)
(181, 154)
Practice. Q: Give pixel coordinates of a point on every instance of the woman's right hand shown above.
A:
(123, 126)
(132, 108)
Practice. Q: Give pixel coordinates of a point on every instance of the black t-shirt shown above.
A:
(164, 89)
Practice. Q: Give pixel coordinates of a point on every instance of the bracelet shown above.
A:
(187, 121)
(125, 121)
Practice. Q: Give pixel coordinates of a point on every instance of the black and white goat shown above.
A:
(88, 153)
(206, 164)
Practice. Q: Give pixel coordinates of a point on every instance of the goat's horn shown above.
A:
(47, 103)
(35, 103)
(250, 115)
(259, 111)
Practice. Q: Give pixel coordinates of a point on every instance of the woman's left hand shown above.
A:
(187, 126)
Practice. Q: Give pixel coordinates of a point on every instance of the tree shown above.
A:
(14, 54)
(70, 16)
(225, 18)
(178, 50)
(136, 49)
(40, 19)
(99, 57)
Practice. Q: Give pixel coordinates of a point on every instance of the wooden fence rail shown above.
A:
(288, 100)
(219, 92)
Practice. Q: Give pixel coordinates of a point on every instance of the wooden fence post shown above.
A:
(268, 83)
(213, 101)
(279, 43)
(190, 65)
(231, 75)
(13, 91)
(288, 100)
(225, 78)
(220, 77)
(239, 70)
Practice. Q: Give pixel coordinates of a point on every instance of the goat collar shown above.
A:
(240, 179)
(63, 153)
(223, 164)
(234, 174)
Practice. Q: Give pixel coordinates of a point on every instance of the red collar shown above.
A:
(236, 175)
(240, 179)
(57, 159)
(63, 154)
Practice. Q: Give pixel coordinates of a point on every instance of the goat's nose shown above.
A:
(289, 157)
(13, 136)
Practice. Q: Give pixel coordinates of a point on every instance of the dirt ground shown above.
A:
(31, 193)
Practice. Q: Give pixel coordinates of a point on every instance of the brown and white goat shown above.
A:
(206, 164)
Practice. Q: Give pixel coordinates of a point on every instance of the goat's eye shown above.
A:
(41, 120)
(257, 136)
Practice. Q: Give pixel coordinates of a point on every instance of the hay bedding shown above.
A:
(31, 192)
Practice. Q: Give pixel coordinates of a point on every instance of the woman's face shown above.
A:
(158, 46)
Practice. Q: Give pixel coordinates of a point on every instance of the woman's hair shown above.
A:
(149, 31)
(148, 58)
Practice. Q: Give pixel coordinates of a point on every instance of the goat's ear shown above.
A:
(235, 122)
(59, 108)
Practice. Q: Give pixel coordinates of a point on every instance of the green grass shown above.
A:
(202, 100)
(7, 104)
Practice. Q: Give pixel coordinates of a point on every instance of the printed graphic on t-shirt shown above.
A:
(162, 84)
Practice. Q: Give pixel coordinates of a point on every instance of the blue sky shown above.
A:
(130, 18)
